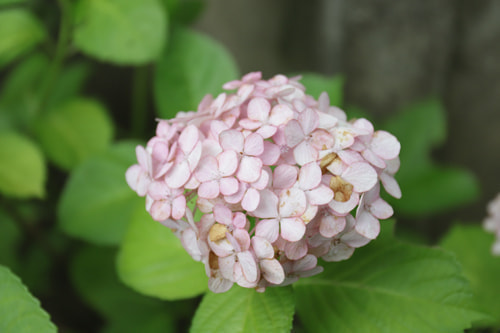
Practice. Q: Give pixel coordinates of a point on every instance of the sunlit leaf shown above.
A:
(121, 31)
(153, 261)
(388, 286)
(21, 312)
(96, 204)
(20, 31)
(22, 167)
(472, 246)
(192, 66)
(245, 310)
(74, 131)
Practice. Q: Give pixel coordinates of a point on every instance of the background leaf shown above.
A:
(153, 261)
(315, 84)
(472, 246)
(20, 31)
(192, 66)
(244, 310)
(22, 168)
(74, 131)
(94, 275)
(387, 286)
(21, 312)
(96, 204)
(126, 32)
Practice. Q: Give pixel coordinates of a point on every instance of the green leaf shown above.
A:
(316, 84)
(96, 204)
(153, 261)
(74, 131)
(126, 32)
(94, 275)
(21, 312)
(245, 310)
(22, 168)
(69, 83)
(10, 237)
(388, 286)
(435, 190)
(472, 247)
(20, 31)
(192, 66)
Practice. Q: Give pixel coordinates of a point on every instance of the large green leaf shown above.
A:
(316, 84)
(20, 311)
(94, 275)
(22, 168)
(121, 31)
(20, 31)
(244, 310)
(388, 286)
(75, 131)
(153, 261)
(472, 246)
(96, 204)
(10, 236)
(192, 66)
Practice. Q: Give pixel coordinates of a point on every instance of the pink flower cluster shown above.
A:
(275, 176)
(492, 222)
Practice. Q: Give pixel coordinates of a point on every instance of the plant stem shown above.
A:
(60, 52)
(139, 101)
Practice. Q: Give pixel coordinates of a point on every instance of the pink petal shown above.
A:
(267, 131)
(331, 226)
(189, 241)
(258, 109)
(292, 229)
(280, 115)
(188, 138)
(309, 176)
(209, 190)
(338, 252)
(248, 266)
(271, 153)
(305, 264)
(305, 153)
(178, 207)
(239, 220)
(227, 162)
(250, 200)
(268, 229)
(193, 158)
(232, 140)
(178, 175)
(308, 120)
(293, 133)
(132, 176)
(249, 124)
(238, 195)
(390, 185)
(219, 284)
(321, 195)
(254, 145)
(371, 157)
(223, 214)
(381, 209)
(262, 248)
(243, 238)
(160, 210)
(143, 157)
(343, 208)
(385, 145)
(292, 202)
(296, 250)
(250, 169)
(207, 170)
(367, 225)
(228, 185)
(268, 205)
(226, 266)
(272, 271)
(284, 176)
(361, 175)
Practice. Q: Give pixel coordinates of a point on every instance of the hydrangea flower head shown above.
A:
(280, 179)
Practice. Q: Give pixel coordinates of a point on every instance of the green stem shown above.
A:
(139, 101)
(65, 26)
